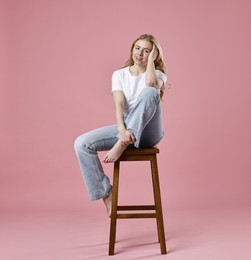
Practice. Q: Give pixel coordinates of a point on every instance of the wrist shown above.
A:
(150, 63)
(150, 59)
(121, 128)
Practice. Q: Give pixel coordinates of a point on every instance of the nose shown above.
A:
(140, 52)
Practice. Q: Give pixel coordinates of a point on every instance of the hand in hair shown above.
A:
(153, 54)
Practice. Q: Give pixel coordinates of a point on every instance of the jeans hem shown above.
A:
(102, 196)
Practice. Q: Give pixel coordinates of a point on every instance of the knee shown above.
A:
(150, 93)
(84, 143)
(79, 143)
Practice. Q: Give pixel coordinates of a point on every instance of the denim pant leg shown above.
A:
(145, 119)
(86, 147)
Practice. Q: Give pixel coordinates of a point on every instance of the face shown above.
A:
(141, 51)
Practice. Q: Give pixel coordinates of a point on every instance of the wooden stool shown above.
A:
(148, 154)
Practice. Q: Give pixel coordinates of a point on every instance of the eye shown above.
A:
(136, 48)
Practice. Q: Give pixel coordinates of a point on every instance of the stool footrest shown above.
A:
(137, 207)
(137, 215)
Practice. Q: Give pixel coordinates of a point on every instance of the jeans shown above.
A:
(145, 123)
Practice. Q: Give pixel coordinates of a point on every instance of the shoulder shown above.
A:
(122, 71)
(119, 77)
(120, 74)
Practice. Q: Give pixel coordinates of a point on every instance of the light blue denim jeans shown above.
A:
(145, 123)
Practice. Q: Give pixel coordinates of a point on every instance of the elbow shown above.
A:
(152, 83)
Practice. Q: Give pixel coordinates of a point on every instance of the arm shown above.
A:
(151, 76)
(119, 101)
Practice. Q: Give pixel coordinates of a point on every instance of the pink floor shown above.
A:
(69, 234)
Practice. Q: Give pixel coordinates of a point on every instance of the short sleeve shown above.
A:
(162, 76)
(116, 81)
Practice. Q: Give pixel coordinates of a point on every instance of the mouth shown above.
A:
(138, 58)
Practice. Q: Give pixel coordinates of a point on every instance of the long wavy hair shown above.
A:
(159, 61)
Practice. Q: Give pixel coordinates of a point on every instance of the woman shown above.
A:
(136, 89)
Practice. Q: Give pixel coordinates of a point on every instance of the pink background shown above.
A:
(56, 62)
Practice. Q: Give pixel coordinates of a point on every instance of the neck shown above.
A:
(137, 70)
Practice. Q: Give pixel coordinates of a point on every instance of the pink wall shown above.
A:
(56, 63)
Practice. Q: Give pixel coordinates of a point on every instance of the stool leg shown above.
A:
(157, 198)
(113, 221)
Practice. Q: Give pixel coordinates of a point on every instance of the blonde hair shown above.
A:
(159, 61)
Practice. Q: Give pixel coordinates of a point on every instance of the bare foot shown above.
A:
(108, 203)
(114, 154)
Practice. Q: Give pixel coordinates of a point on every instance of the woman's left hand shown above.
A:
(153, 54)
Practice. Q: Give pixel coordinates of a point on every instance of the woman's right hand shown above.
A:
(126, 137)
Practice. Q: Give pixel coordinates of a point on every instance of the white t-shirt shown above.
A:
(132, 85)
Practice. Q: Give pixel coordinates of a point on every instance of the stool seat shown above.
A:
(136, 154)
(140, 151)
